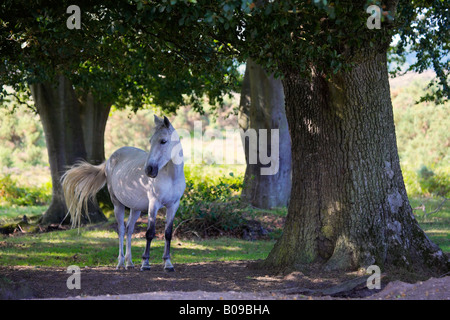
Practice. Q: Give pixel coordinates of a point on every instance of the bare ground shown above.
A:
(212, 280)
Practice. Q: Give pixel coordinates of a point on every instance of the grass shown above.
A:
(9, 213)
(437, 225)
(99, 247)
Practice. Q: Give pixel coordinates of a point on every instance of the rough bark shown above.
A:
(262, 107)
(349, 207)
(59, 111)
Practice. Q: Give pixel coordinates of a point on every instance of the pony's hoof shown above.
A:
(170, 269)
(129, 267)
(145, 268)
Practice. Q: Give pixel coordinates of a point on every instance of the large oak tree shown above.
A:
(348, 206)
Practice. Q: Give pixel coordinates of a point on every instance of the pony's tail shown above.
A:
(80, 184)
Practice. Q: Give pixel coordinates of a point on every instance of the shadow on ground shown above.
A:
(212, 279)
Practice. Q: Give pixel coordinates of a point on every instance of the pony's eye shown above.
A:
(163, 141)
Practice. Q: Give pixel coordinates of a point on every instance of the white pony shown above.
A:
(138, 180)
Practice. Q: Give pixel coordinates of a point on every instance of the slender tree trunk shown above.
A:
(60, 111)
(349, 207)
(262, 107)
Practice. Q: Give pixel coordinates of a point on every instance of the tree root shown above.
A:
(337, 290)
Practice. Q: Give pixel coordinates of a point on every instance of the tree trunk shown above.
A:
(60, 111)
(262, 107)
(349, 207)
(94, 115)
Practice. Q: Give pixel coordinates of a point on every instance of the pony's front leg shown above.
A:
(170, 215)
(149, 235)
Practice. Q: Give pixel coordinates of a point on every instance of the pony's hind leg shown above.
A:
(119, 212)
(134, 215)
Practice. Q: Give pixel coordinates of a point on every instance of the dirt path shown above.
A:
(213, 280)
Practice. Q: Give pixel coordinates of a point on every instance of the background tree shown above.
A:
(262, 107)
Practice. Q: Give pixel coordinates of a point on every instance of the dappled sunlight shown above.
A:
(228, 248)
(44, 254)
(66, 242)
(198, 246)
(221, 249)
(37, 259)
(100, 248)
(438, 232)
(101, 234)
(267, 278)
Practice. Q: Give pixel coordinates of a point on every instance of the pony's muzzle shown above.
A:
(151, 171)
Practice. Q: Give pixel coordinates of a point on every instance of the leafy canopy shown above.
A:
(424, 28)
(123, 53)
(128, 50)
(291, 35)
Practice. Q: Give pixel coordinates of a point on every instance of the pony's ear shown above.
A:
(158, 121)
(166, 122)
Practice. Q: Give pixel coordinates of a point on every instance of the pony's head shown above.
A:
(162, 143)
